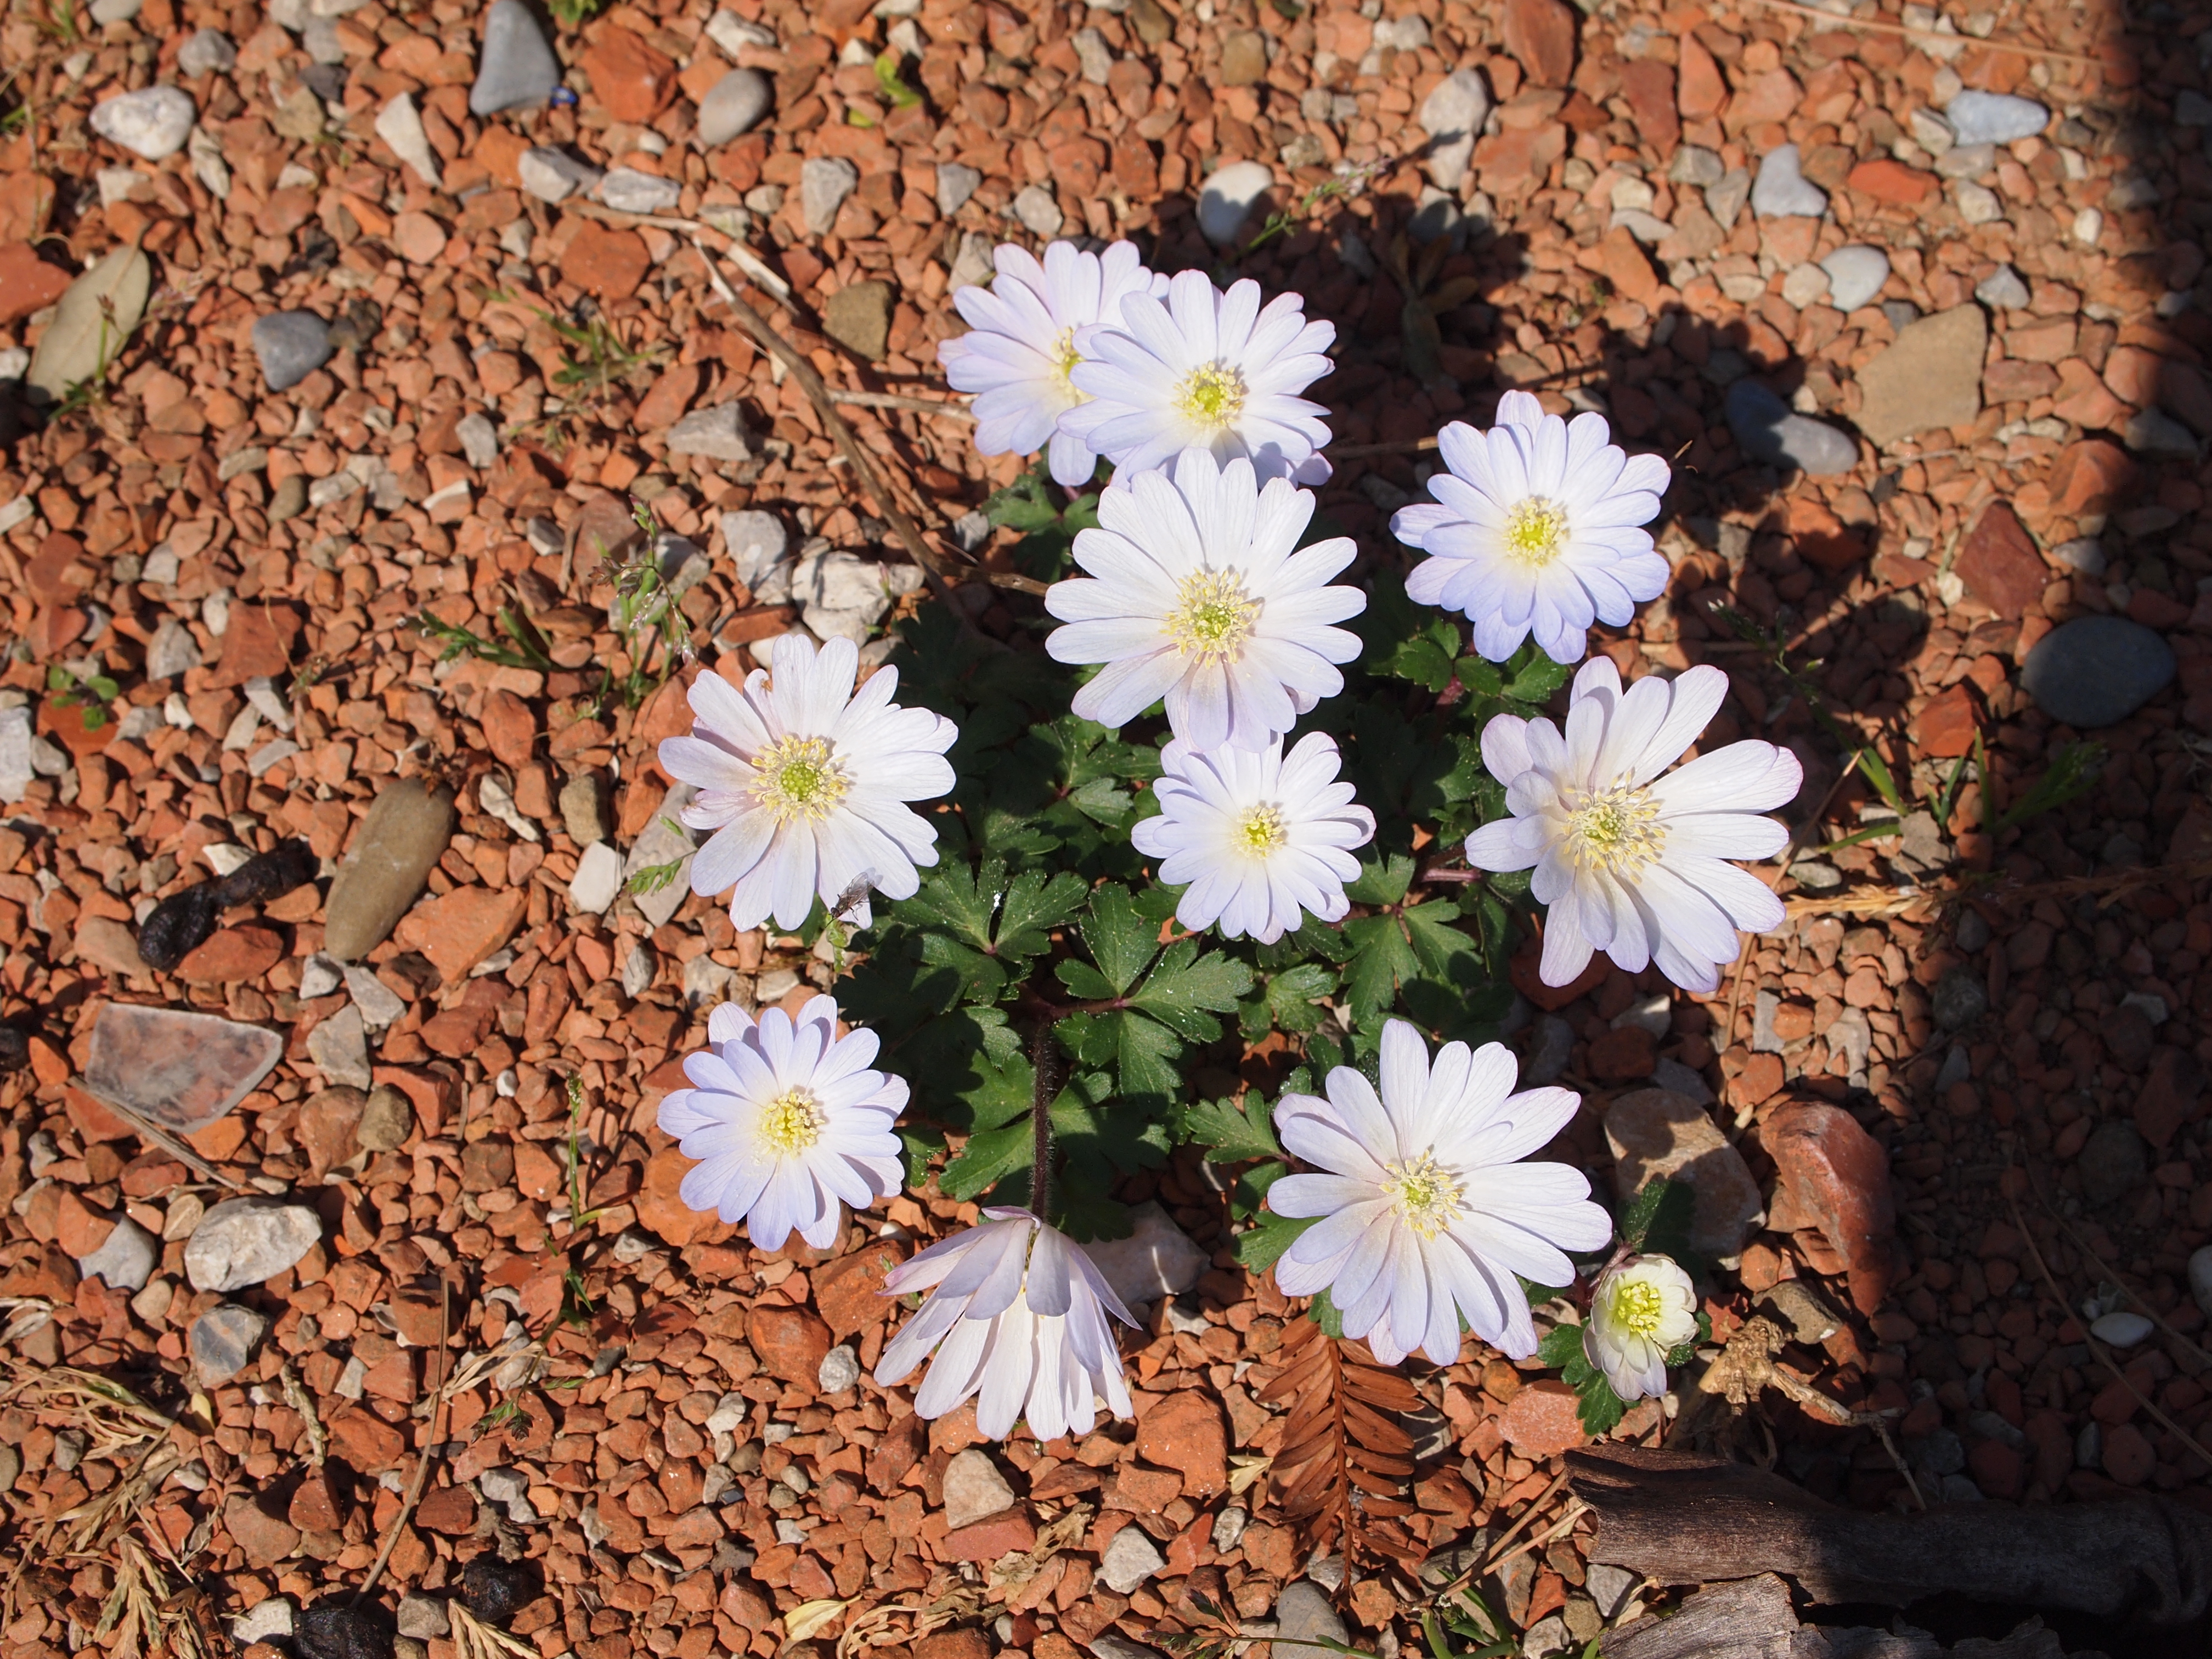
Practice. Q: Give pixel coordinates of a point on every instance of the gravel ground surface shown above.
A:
(1933, 386)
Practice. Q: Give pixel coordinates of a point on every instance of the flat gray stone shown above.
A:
(1930, 376)
(973, 1490)
(1994, 118)
(1768, 429)
(584, 809)
(291, 345)
(209, 52)
(1694, 164)
(378, 1003)
(1129, 1560)
(1304, 1613)
(406, 830)
(598, 882)
(1781, 191)
(1158, 1259)
(171, 651)
(2097, 671)
(399, 123)
(1038, 211)
(1228, 197)
(719, 433)
(824, 182)
(479, 438)
(268, 1619)
(339, 1045)
(1656, 1134)
(152, 123)
(516, 67)
(1453, 117)
(2002, 290)
(626, 190)
(2155, 431)
(178, 1070)
(222, 1340)
(956, 183)
(841, 1367)
(1093, 56)
(126, 1261)
(423, 1616)
(554, 175)
(1725, 200)
(733, 106)
(1856, 275)
(248, 1240)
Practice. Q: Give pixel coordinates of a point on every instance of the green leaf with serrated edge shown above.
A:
(958, 899)
(1535, 676)
(1231, 1134)
(1251, 1188)
(1600, 1408)
(1382, 960)
(917, 1147)
(1186, 989)
(1259, 1246)
(1082, 980)
(1481, 678)
(1381, 881)
(1033, 906)
(1294, 994)
(981, 979)
(1121, 939)
(986, 1160)
(1085, 1215)
(1324, 1313)
(1658, 1220)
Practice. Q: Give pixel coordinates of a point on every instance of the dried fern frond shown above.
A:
(1344, 1457)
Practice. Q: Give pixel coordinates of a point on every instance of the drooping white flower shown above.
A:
(1631, 863)
(788, 1120)
(1262, 838)
(1428, 1209)
(1016, 1317)
(1205, 370)
(1022, 344)
(1198, 593)
(804, 782)
(1535, 529)
(1642, 1311)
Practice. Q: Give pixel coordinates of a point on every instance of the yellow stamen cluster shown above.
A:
(1617, 830)
(1214, 616)
(1213, 396)
(1425, 1195)
(799, 778)
(1261, 831)
(791, 1123)
(1536, 531)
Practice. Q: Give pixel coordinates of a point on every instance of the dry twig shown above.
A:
(413, 1494)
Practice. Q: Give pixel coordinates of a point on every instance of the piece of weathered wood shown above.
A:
(1753, 1619)
(2144, 1563)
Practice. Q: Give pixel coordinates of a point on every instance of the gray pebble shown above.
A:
(1856, 275)
(479, 438)
(2113, 1162)
(626, 190)
(291, 345)
(1304, 1614)
(1769, 430)
(1093, 56)
(2155, 431)
(719, 433)
(173, 651)
(1694, 164)
(423, 1616)
(1783, 191)
(127, 1258)
(1994, 118)
(824, 182)
(553, 175)
(2001, 289)
(248, 1240)
(956, 183)
(1960, 999)
(733, 107)
(754, 541)
(1228, 197)
(1038, 209)
(1453, 116)
(209, 51)
(2096, 671)
(1725, 200)
(223, 1339)
(1550, 1047)
(517, 67)
(839, 1371)
(152, 123)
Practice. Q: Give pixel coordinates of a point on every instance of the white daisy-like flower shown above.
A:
(1022, 344)
(1205, 370)
(1198, 593)
(1643, 1309)
(1428, 1209)
(1262, 838)
(1629, 862)
(787, 1121)
(805, 783)
(1536, 529)
(1016, 1317)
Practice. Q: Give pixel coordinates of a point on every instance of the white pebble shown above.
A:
(2122, 1328)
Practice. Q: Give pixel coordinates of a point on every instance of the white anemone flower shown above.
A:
(1016, 1317)
(805, 783)
(1631, 863)
(1023, 344)
(1642, 1311)
(1536, 529)
(1198, 593)
(1205, 370)
(1428, 1208)
(1263, 839)
(788, 1120)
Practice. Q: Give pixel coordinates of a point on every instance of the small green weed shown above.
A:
(528, 651)
(647, 616)
(92, 695)
(598, 362)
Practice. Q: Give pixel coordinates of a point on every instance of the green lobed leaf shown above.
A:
(1121, 939)
(1259, 1246)
(1231, 1133)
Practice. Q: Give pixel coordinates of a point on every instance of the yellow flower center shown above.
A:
(1617, 830)
(1213, 396)
(1425, 1195)
(791, 1123)
(1636, 1305)
(1261, 832)
(1536, 531)
(1065, 357)
(799, 778)
(1214, 618)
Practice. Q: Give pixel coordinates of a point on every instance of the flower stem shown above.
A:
(1040, 1120)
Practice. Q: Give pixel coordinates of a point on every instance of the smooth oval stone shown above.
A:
(1994, 118)
(626, 190)
(1227, 198)
(1782, 191)
(517, 66)
(153, 122)
(733, 106)
(292, 345)
(2095, 670)
(2123, 1327)
(1771, 431)
(1856, 275)
(406, 830)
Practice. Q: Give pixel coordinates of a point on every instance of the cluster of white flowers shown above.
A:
(1198, 594)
